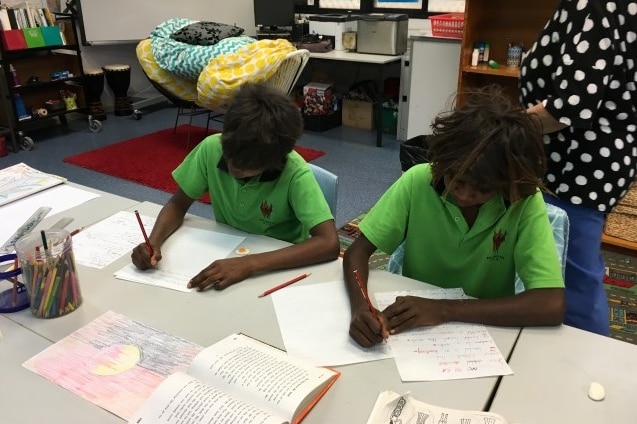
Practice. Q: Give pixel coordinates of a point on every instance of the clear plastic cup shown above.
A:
(49, 273)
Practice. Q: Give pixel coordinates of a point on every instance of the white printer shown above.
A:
(333, 25)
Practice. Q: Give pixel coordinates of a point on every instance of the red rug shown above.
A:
(150, 159)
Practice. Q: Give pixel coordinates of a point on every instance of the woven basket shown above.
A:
(622, 221)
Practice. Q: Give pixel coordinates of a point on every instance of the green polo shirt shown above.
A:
(282, 204)
(441, 249)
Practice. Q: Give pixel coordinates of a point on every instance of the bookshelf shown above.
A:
(40, 67)
(500, 22)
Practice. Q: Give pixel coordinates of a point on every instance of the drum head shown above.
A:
(93, 71)
(116, 68)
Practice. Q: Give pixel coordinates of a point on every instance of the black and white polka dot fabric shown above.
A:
(582, 68)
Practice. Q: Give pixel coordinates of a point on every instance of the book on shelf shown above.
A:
(391, 407)
(243, 380)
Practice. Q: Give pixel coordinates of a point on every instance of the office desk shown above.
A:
(553, 368)
(206, 317)
(379, 61)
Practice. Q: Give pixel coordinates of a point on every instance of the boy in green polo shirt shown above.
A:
(471, 218)
(257, 183)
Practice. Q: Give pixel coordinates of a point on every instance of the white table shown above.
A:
(206, 317)
(553, 368)
(346, 56)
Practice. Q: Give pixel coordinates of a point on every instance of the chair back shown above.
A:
(328, 183)
(289, 70)
(559, 223)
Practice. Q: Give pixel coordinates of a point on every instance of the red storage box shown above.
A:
(449, 25)
(13, 39)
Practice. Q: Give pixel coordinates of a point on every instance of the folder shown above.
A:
(33, 37)
(51, 35)
(13, 40)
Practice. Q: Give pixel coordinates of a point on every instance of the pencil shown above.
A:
(287, 283)
(77, 230)
(15, 283)
(141, 225)
(359, 281)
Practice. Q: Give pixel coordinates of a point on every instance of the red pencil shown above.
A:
(141, 225)
(359, 280)
(287, 283)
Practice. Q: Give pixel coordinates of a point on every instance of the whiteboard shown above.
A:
(133, 20)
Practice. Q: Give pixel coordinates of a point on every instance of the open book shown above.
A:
(238, 379)
(393, 408)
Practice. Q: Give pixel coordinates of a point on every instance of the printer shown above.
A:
(382, 33)
(333, 25)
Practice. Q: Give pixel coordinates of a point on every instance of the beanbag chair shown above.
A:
(182, 88)
(188, 60)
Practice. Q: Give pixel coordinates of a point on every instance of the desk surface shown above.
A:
(236, 309)
(553, 368)
(356, 57)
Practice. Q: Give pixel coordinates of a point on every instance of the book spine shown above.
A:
(13, 20)
(42, 17)
(4, 19)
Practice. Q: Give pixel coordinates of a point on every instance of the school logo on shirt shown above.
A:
(266, 209)
(499, 237)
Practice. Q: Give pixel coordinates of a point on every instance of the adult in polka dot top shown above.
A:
(580, 78)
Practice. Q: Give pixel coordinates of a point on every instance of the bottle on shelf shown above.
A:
(475, 57)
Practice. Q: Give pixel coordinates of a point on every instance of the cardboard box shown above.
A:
(358, 114)
(318, 99)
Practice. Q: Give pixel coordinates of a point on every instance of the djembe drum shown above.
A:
(118, 79)
(93, 88)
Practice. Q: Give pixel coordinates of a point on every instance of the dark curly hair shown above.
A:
(490, 144)
(260, 128)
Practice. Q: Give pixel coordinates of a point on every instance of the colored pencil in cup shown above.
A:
(141, 225)
(287, 283)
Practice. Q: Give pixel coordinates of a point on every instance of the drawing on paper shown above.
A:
(114, 362)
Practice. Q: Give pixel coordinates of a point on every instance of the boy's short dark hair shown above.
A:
(489, 143)
(260, 128)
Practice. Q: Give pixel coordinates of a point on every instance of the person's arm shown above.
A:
(364, 328)
(548, 122)
(536, 307)
(322, 246)
(169, 219)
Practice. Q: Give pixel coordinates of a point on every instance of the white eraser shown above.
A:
(596, 391)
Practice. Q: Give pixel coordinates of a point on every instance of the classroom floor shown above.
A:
(364, 170)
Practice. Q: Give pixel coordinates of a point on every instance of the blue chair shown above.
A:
(559, 222)
(329, 185)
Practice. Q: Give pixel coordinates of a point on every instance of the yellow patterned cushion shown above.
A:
(179, 87)
(223, 75)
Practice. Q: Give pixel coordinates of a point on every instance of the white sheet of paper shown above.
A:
(109, 239)
(184, 254)
(314, 322)
(445, 352)
(59, 198)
